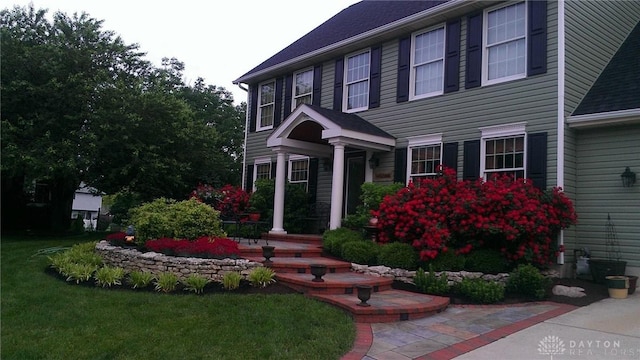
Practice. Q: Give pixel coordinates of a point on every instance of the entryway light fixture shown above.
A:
(628, 178)
(374, 162)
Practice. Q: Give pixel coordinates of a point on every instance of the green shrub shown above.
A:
(528, 281)
(108, 276)
(77, 226)
(80, 272)
(429, 283)
(478, 290)
(448, 261)
(363, 252)
(261, 277)
(187, 219)
(332, 240)
(195, 283)
(140, 279)
(166, 282)
(398, 255)
(296, 204)
(231, 280)
(487, 261)
(371, 195)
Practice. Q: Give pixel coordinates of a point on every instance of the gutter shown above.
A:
(448, 6)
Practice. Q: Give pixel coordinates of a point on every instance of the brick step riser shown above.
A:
(313, 288)
(283, 253)
(310, 240)
(294, 269)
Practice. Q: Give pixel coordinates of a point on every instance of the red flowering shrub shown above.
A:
(118, 236)
(506, 214)
(229, 199)
(201, 247)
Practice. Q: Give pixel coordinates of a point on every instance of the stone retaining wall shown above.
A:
(156, 263)
(452, 276)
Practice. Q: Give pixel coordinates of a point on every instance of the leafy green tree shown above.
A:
(78, 104)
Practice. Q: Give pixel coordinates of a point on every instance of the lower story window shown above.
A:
(299, 171)
(261, 170)
(504, 156)
(425, 161)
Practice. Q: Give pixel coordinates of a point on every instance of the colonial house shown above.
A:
(86, 206)
(389, 90)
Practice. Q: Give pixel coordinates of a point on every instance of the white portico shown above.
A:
(318, 132)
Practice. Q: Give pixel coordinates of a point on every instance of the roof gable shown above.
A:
(352, 21)
(618, 85)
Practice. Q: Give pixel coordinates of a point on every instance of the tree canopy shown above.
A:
(80, 105)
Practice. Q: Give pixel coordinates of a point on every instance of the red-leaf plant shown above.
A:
(203, 246)
(229, 200)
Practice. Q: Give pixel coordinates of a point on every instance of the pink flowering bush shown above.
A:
(204, 246)
(510, 215)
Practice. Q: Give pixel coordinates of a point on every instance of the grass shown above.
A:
(45, 318)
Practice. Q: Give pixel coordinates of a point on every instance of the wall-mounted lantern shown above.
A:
(628, 178)
(374, 161)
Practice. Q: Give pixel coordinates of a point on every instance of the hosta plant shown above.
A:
(231, 280)
(80, 272)
(262, 277)
(195, 283)
(140, 279)
(108, 276)
(166, 282)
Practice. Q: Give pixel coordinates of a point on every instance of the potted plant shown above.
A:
(612, 265)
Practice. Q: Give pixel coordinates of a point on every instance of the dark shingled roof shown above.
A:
(618, 87)
(351, 122)
(354, 20)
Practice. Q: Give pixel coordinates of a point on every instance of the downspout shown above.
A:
(244, 146)
(561, 97)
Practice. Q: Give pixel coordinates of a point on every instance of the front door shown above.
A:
(354, 178)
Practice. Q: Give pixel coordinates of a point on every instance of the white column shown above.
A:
(278, 197)
(337, 186)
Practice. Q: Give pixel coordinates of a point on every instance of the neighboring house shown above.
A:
(86, 205)
(388, 90)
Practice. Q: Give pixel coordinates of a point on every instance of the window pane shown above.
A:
(266, 93)
(506, 41)
(358, 95)
(504, 155)
(266, 116)
(425, 160)
(263, 171)
(358, 67)
(304, 83)
(429, 78)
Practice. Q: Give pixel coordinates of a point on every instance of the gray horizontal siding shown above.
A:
(603, 155)
(594, 31)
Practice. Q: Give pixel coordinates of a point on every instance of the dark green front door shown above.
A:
(354, 178)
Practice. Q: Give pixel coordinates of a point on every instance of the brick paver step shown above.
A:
(302, 265)
(337, 283)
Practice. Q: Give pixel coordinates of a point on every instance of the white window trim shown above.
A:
(290, 168)
(260, 105)
(260, 161)
(418, 141)
(485, 50)
(412, 70)
(345, 85)
(293, 88)
(500, 131)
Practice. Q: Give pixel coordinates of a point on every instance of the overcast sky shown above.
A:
(217, 40)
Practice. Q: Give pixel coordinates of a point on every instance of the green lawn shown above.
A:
(46, 318)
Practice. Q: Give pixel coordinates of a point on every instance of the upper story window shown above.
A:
(503, 151)
(357, 68)
(266, 105)
(261, 169)
(505, 43)
(299, 170)
(302, 88)
(427, 63)
(424, 156)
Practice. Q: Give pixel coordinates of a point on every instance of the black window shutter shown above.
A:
(374, 77)
(404, 59)
(452, 61)
(450, 155)
(471, 160)
(317, 85)
(253, 112)
(277, 112)
(249, 178)
(273, 170)
(400, 166)
(473, 77)
(537, 159)
(288, 95)
(337, 85)
(313, 180)
(537, 38)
